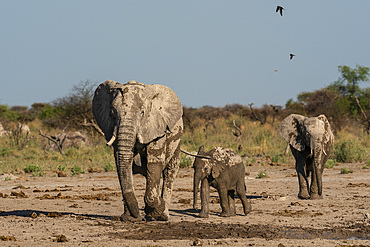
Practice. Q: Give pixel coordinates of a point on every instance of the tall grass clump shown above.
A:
(349, 151)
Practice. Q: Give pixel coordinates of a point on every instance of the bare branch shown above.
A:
(255, 115)
(363, 113)
(238, 131)
(57, 140)
(94, 125)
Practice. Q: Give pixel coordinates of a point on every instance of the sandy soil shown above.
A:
(83, 210)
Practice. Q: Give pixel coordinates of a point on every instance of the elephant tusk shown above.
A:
(195, 155)
(111, 141)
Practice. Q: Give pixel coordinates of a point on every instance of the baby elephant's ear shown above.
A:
(216, 171)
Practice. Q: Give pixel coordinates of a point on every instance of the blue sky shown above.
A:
(209, 52)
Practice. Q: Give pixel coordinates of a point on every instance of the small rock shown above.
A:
(62, 174)
(295, 204)
(33, 215)
(61, 238)
(197, 242)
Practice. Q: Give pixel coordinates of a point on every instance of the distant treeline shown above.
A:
(343, 102)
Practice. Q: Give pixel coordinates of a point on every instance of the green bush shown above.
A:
(31, 168)
(349, 151)
(109, 167)
(345, 171)
(262, 174)
(75, 170)
(330, 163)
(62, 168)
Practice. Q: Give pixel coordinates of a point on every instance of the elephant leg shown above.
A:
(231, 200)
(316, 182)
(223, 193)
(154, 203)
(240, 190)
(204, 199)
(302, 180)
(169, 175)
(300, 166)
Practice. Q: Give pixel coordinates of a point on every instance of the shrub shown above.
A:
(62, 168)
(32, 168)
(349, 151)
(109, 167)
(75, 170)
(330, 163)
(345, 171)
(262, 174)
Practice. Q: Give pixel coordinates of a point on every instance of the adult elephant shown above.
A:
(144, 125)
(311, 141)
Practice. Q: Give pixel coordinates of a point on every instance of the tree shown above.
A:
(348, 82)
(75, 108)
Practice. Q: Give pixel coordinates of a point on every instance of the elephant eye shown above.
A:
(142, 113)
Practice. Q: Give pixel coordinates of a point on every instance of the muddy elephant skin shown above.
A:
(143, 124)
(311, 141)
(225, 171)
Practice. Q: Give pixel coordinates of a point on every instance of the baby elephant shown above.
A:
(224, 170)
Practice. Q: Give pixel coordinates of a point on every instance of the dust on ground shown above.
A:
(84, 210)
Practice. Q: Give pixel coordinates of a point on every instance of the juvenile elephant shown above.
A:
(144, 125)
(224, 170)
(311, 141)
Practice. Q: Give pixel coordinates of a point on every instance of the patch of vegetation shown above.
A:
(109, 167)
(62, 168)
(32, 168)
(262, 174)
(278, 159)
(75, 170)
(366, 165)
(330, 163)
(185, 162)
(344, 170)
(349, 151)
(38, 174)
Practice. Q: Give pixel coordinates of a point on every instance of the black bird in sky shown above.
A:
(280, 9)
(291, 56)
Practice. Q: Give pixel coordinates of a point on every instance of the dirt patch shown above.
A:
(86, 210)
(197, 230)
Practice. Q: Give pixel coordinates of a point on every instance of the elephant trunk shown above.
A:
(124, 159)
(196, 183)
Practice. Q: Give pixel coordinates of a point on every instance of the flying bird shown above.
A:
(280, 9)
(291, 56)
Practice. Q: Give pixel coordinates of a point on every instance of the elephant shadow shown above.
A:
(195, 212)
(28, 213)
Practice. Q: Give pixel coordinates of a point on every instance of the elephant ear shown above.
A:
(291, 130)
(101, 107)
(319, 130)
(216, 170)
(163, 110)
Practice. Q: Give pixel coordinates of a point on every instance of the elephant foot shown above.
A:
(303, 196)
(247, 209)
(156, 213)
(131, 204)
(316, 197)
(203, 215)
(225, 214)
(128, 218)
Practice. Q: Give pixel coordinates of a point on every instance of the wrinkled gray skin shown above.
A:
(224, 171)
(311, 141)
(144, 125)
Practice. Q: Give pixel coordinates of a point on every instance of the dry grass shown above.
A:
(351, 145)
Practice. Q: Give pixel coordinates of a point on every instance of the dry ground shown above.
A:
(82, 210)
